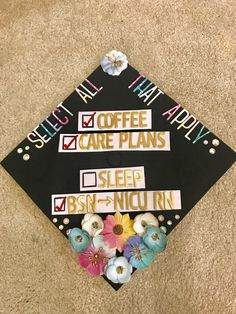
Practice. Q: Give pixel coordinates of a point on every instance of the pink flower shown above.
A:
(117, 230)
(96, 256)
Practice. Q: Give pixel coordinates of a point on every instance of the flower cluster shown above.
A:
(98, 241)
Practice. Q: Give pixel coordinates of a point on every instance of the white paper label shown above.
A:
(114, 120)
(123, 141)
(106, 202)
(112, 179)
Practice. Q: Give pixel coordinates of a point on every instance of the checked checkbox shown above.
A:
(69, 142)
(59, 204)
(88, 120)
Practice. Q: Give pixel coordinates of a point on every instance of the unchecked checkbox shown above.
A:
(89, 179)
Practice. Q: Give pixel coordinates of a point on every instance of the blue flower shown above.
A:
(155, 239)
(118, 270)
(137, 253)
(79, 239)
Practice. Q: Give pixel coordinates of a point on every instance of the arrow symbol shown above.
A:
(108, 201)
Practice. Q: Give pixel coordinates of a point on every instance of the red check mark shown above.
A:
(66, 146)
(90, 119)
(59, 208)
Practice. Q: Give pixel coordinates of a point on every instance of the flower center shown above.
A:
(78, 239)
(95, 225)
(98, 257)
(118, 229)
(144, 223)
(119, 269)
(117, 63)
(155, 236)
(136, 252)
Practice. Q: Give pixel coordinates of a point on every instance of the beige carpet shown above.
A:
(47, 48)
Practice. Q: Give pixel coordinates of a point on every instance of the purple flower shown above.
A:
(137, 253)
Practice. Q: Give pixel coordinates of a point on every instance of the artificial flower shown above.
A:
(93, 224)
(114, 62)
(137, 253)
(155, 239)
(79, 239)
(117, 230)
(118, 270)
(142, 221)
(96, 256)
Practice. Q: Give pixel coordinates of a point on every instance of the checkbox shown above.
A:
(88, 120)
(59, 204)
(69, 142)
(89, 179)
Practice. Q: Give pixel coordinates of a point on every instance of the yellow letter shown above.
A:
(161, 139)
(71, 204)
(103, 179)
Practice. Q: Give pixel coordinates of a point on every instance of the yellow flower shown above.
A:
(117, 230)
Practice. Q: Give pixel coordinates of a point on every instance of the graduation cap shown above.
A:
(118, 144)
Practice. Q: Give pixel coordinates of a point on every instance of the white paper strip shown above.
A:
(114, 120)
(106, 202)
(123, 141)
(112, 179)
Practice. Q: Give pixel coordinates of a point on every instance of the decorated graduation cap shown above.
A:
(116, 166)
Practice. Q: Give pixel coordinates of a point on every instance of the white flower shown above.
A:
(114, 62)
(93, 224)
(98, 243)
(118, 270)
(142, 221)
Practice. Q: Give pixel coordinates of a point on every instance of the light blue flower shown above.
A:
(118, 270)
(98, 243)
(79, 239)
(137, 253)
(155, 239)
